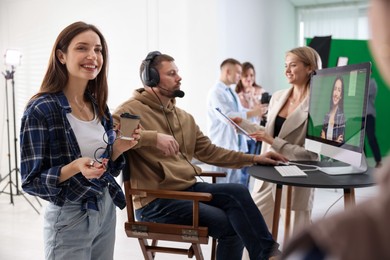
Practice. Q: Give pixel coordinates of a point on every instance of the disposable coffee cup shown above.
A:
(129, 123)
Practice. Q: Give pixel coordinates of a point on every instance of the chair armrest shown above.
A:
(212, 174)
(168, 194)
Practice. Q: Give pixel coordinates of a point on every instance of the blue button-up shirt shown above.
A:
(47, 143)
(220, 131)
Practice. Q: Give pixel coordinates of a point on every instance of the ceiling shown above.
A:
(301, 3)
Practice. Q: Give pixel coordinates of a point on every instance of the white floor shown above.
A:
(21, 226)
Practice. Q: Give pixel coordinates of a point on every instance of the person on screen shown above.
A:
(334, 122)
(363, 231)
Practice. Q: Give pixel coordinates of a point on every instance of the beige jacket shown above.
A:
(289, 142)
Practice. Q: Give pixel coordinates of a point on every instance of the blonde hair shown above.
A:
(308, 56)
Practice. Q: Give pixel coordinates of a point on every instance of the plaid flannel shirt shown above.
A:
(47, 143)
(339, 125)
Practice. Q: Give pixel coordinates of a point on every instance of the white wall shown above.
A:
(199, 34)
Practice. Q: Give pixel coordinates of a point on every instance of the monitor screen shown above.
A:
(337, 112)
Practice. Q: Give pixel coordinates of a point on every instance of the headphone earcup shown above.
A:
(153, 79)
(150, 76)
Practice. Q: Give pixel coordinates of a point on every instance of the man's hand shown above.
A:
(167, 144)
(271, 158)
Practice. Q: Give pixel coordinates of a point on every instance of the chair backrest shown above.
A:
(193, 234)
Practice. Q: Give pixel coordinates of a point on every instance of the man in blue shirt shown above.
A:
(220, 131)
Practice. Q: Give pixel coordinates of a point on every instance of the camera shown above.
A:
(265, 98)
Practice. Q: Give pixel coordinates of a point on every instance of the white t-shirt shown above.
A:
(329, 133)
(89, 135)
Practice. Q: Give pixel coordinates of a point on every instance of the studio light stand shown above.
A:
(12, 58)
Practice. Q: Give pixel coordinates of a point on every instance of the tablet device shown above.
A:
(233, 123)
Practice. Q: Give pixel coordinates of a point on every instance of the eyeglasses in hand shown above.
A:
(101, 153)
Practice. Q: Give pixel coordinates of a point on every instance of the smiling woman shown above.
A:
(63, 126)
(285, 133)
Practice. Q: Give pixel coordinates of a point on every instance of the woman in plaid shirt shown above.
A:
(69, 151)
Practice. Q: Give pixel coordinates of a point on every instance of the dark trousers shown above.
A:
(370, 132)
(231, 216)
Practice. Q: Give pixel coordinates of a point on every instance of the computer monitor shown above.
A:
(337, 116)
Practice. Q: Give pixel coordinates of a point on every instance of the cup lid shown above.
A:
(128, 115)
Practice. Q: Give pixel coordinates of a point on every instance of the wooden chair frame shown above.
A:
(194, 235)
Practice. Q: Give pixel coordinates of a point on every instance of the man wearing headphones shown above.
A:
(170, 139)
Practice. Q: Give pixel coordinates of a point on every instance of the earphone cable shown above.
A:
(173, 134)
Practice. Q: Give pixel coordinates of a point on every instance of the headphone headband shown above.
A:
(151, 55)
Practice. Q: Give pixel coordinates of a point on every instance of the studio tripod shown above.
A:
(13, 172)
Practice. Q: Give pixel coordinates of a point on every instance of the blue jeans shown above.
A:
(72, 233)
(232, 175)
(231, 216)
(253, 148)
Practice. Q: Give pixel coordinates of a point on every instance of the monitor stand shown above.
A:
(348, 169)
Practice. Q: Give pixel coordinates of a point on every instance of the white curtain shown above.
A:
(341, 22)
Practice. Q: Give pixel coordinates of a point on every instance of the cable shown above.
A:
(310, 170)
(315, 167)
(334, 203)
(173, 134)
(185, 147)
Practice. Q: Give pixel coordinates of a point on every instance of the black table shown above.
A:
(315, 179)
